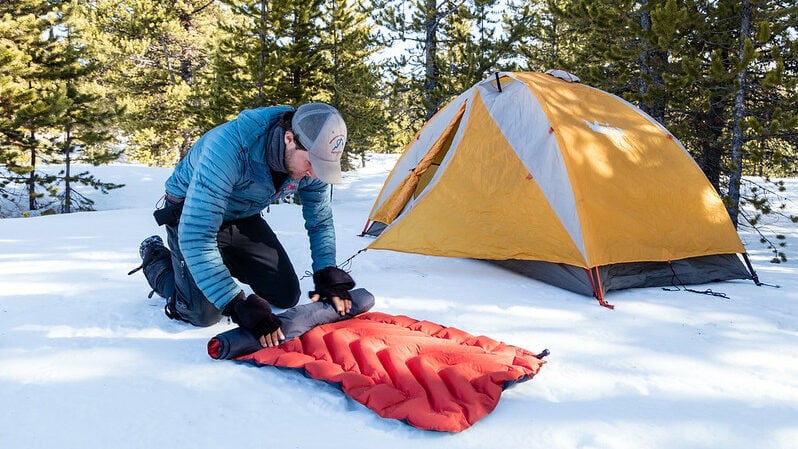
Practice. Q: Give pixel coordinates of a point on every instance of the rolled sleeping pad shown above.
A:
(295, 322)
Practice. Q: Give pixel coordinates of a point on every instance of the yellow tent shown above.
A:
(562, 182)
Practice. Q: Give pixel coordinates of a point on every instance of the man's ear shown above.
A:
(288, 137)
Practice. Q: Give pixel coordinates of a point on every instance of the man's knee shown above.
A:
(207, 318)
(284, 298)
(197, 311)
(287, 301)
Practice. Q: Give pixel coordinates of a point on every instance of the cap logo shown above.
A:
(337, 144)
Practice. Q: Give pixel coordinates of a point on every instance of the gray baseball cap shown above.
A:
(321, 130)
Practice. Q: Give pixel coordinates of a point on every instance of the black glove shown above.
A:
(332, 281)
(253, 314)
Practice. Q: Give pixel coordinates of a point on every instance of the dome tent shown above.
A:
(559, 181)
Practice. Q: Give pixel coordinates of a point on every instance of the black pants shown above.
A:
(254, 256)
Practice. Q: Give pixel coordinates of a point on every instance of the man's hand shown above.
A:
(273, 339)
(254, 314)
(342, 306)
(333, 285)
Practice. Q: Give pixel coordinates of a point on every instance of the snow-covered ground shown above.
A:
(88, 361)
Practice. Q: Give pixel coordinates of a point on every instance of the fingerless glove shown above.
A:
(252, 313)
(332, 281)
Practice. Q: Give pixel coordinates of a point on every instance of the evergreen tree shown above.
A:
(545, 46)
(29, 121)
(14, 92)
(734, 61)
(300, 59)
(58, 116)
(80, 128)
(759, 72)
(653, 59)
(216, 94)
(351, 81)
(455, 44)
(613, 45)
(282, 45)
(295, 52)
(246, 56)
(697, 67)
(154, 52)
(480, 39)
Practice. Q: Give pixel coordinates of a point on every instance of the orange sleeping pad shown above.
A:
(430, 376)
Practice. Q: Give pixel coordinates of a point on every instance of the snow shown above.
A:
(88, 361)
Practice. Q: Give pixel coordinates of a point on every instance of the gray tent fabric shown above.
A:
(295, 322)
(560, 275)
(696, 270)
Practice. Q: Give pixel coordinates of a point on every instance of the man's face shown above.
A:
(297, 160)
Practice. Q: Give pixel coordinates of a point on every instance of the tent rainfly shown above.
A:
(561, 182)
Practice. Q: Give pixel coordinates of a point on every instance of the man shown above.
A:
(215, 231)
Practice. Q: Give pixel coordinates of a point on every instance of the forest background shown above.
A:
(97, 81)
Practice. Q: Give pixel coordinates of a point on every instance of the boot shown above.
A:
(152, 248)
(156, 261)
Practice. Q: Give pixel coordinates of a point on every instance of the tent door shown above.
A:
(419, 177)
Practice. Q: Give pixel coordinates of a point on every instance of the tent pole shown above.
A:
(754, 276)
(498, 82)
(365, 228)
(599, 291)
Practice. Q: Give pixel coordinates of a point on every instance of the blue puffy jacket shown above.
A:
(225, 177)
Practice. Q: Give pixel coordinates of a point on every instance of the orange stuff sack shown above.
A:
(427, 375)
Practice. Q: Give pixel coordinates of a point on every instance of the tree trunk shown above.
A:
(650, 73)
(186, 142)
(264, 23)
(336, 100)
(739, 115)
(32, 175)
(167, 58)
(711, 122)
(67, 172)
(553, 41)
(645, 25)
(430, 61)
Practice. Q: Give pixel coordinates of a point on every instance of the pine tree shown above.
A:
(549, 41)
(759, 72)
(350, 80)
(218, 93)
(29, 120)
(242, 66)
(699, 68)
(281, 42)
(295, 52)
(14, 93)
(154, 52)
(246, 56)
(612, 45)
(732, 87)
(300, 57)
(479, 40)
(81, 126)
(455, 44)
(58, 119)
